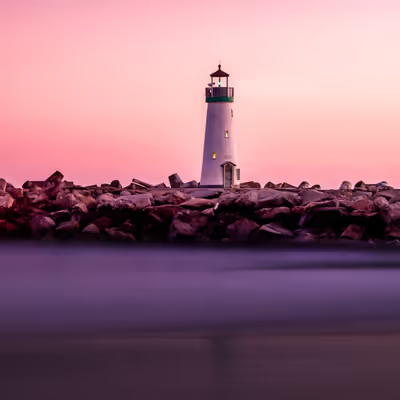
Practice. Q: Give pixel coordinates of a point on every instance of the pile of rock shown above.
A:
(58, 209)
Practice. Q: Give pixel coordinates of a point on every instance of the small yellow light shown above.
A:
(226, 134)
(214, 156)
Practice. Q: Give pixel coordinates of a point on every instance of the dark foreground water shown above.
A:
(101, 322)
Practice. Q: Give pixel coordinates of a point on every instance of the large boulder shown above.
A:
(135, 201)
(42, 225)
(250, 185)
(191, 184)
(241, 229)
(6, 201)
(186, 225)
(354, 232)
(381, 203)
(268, 214)
(269, 185)
(199, 204)
(136, 183)
(66, 200)
(3, 185)
(160, 186)
(312, 196)
(55, 179)
(227, 198)
(175, 181)
(346, 185)
(105, 200)
(274, 198)
(206, 193)
(116, 234)
(360, 185)
(272, 231)
(92, 229)
(392, 195)
(170, 197)
(116, 184)
(304, 185)
(248, 199)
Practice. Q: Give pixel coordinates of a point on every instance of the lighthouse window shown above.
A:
(231, 113)
(238, 174)
(226, 134)
(214, 156)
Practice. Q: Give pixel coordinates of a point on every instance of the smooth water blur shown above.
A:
(151, 322)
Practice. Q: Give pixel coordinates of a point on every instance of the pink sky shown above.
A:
(104, 90)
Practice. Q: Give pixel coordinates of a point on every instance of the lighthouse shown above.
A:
(219, 168)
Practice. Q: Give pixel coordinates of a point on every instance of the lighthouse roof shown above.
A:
(219, 73)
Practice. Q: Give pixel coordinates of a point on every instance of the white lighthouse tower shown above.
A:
(219, 163)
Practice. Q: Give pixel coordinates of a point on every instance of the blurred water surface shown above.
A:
(151, 322)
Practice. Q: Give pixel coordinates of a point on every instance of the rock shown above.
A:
(68, 226)
(274, 198)
(175, 181)
(248, 199)
(3, 185)
(6, 201)
(61, 216)
(15, 193)
(354, 232)
(8, 227)
(304, 185)
(383, 185)
(191, 184)
(270, 185)
(392, 195)
(381, 203)
(392, 231)
(104, 200)
(286, 185)
(37, 197)
(312, 196)
(160, 186)
(266, 214)
(250, 185)
(125, 193)
(118, 235)
(316, 187)
(171, 197)
(55, 179)
(346, 185)
(199, 204)
(206, 194)
(134, 201)
(227, 198)
(91, 228)
(241, 229)
(116, 184)
(360, 185)
(392, 213)
(102, 223)
(80, 208)
(271, 231)
(66, 200)
(362, 204)
(83, 196)
(187, 224)
(42, 225)
(141, 184)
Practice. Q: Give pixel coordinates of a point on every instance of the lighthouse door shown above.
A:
(228, 175)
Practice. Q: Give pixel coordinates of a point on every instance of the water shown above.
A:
(156, 322)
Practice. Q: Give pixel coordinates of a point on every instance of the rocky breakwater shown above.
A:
(56, 209)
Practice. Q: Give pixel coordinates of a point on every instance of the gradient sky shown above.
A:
(104, 90)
